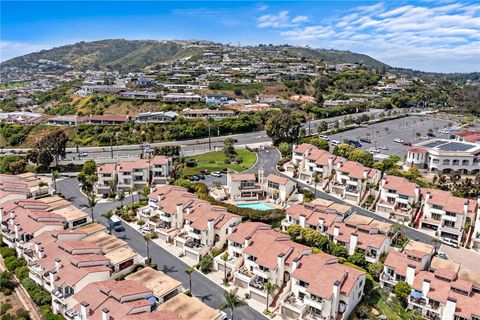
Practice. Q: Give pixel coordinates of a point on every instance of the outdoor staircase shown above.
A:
(284, 290)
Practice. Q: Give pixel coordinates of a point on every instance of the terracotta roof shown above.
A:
(400, 185)
(301, 148)
(243, 176)
(399, 262)
(277, 179)
(246, 229)
(417, 150)
(107, 168)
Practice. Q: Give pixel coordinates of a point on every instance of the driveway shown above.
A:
(203, 288)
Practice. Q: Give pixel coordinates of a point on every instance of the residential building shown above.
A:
(107, 119)
(447, 214)
(74, 217)
(276, 188)
(445, 156)
(188, 308)
(182, 97)
(207, 113)
(205, 226)
(268, 256)
(106, 178)
(399, 198)
(64, 120)
(216, 99)
(319, 214)
(351, 181)
(243, 186)
(163, 287)
(141, 95)
(322, 288)
(156, 117)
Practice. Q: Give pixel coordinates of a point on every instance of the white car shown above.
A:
(383, 147)
(334, 142)
(398, 140)
(449, 242)
(145, 230)
(373, 150)
(148, 150)
(324, 137)
(216, 174)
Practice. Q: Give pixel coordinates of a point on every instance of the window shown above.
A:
(446, 162)
(435, 161)
(450, 214)
(449, 224)
(465, 163)
(436, 206)
(273, 185)
(436, 216)
(456, 162)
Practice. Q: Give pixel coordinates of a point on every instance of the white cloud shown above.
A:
(280, 20)
(262, 7)
(10, 49)
(432, 36)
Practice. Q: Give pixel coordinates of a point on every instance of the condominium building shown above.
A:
(322, 288)
(352, 180)
(445, 156)
(398, 198)
(278, 189)
(447, 214)
(243, 186)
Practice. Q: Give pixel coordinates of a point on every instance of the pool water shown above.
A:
(255, 205)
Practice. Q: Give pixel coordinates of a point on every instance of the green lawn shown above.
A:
(215, 161)
(378, 302)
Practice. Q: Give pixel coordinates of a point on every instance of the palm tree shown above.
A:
(436, 244)
(147, 237)
(92, 201)
(131, 194)
(108, 215)
(232, 301)
(189, 271)
(121, 197)
(55, 176)
(225, 259)
(270, 288)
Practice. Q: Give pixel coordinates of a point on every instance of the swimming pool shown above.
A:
(255, 205)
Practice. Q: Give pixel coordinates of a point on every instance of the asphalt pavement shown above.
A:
(202, 288)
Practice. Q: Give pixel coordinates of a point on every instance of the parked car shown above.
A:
(355, 143)
(201, 176)
(449, 242)
(383, 147)
(398, 140)
(145, 230)
(195, 178)
(366, 140)
(324, 137)
(334, 142)
(82, 154)
(116, 224)
(442, 255)
(431, 135)
(406, 143)
(216, 174)
(373, 150)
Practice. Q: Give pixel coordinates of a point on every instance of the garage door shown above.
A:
(258, 297)
(240, 283)
(289, 313)
(191, 255)
(162, 236)
(351, 198)
(221, 267)
(179, 244)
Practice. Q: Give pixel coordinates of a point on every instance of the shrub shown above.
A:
(141, 222)
(7, 252)
(12, 263)
(358, 259)
(22, 273)
(4, 308)
(40, 297)
(205, 264)
(48, 314)
(215, 252)
(375, 269)
(29, 284)
(22, 314)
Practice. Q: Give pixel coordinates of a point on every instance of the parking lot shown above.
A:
(383, 134)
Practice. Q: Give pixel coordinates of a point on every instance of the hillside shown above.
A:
(134, 55)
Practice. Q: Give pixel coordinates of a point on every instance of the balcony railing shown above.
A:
(257, 283)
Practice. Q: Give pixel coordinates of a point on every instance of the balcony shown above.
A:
(73, 314)
(257, 283)
(314, 301)
(265, 274)
(166, 217)
(388, 278)
(251, 188)
(295, 304)
(424, 304)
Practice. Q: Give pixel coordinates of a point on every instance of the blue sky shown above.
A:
(430, 35)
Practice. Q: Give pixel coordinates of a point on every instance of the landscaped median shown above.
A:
(217, 161)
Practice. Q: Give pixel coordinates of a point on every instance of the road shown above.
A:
(203, 288)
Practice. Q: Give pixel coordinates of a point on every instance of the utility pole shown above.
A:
(209, 141)
(111, 146)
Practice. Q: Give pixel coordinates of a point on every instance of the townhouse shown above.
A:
(278, 189)
(22, 220)
(404, 265)
(243, 186)
(322, 288)
(398, 197)
(443, 295)
(156, 117)
(268, 256)
(236, 244)
(22, 186)
(352, 180)
(205, 226)
(109, 300)
(163, 287)
(128, 175)
(166, 209)
(207, 113)
(447, 214)
(107, 119)
(320, 214)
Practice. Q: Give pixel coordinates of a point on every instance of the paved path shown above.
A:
(204, 289)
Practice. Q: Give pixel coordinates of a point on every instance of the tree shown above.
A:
(121, 197)
(169, 151)
(270, 289)
(294, 231)
(232, 301)
(51, 147)
(229, 149)
(322, 127)
(6, 281)
(375, 269)
(131, 190)
(343, 150)
(402, 290)
(358, 259)
(319, 98)
(91, 203)
(88, 175)
(285, 149)
(283, 128)
(189, 271)
(147, 237)
(362, 157)
(225, 259)
(316, 180)
(321, 144)
(108, 215)
(17, 167)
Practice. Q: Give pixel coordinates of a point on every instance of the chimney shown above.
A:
(330, 164)
(105, 314)
(41, 254)
(320, 223)
(296, 264)
(336, 231)
(58, 264)
(449, 310)
(417, 193)
(365, 173)
(53, 277)
(211, 225)
(1, 214)
(84, 310)
(384, 181)
(231, 228)
(425, 287)
(179, 208)
(12, 215)
(17, 231)
(465, 208)
(37, 246)
(302, 220)
(247, 241)
(410, 274)
(353, 244)
(427, 196)
(335, 298)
